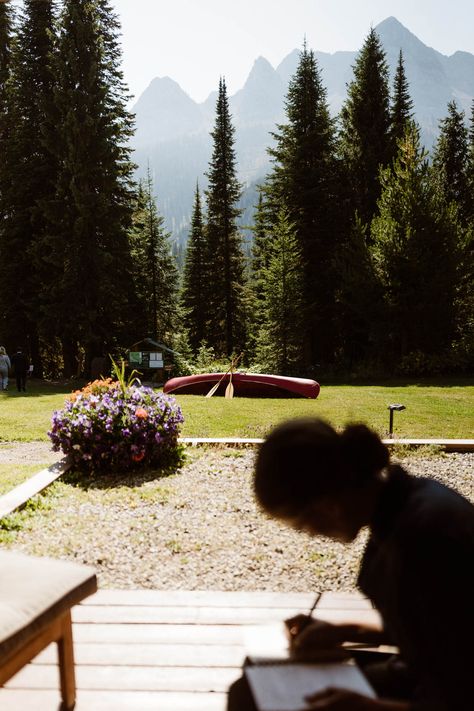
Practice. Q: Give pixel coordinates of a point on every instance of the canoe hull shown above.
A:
(245, 385)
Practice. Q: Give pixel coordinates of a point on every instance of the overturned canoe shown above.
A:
(245, 385)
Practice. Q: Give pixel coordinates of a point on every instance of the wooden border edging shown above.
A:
(17, 497)
(449, 445)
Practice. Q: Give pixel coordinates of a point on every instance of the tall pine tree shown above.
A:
(450, 161)
(6, 30)
(416, 253)
(280, 339)
(260, 254)
(226, 317)
(155, 273)
(470, 159)
(365, 118)
(87, 249)
(401, 110)
(196, 279)
(32, 171)
(6, 22)
(304, 181)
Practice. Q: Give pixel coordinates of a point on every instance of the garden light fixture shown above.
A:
(392, 408)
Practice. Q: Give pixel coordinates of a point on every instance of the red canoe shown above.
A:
(245, 385)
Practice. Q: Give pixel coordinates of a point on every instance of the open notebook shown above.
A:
(283, 686)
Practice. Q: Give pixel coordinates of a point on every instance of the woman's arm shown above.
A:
(307, 635)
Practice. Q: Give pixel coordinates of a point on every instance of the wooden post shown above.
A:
(66, 664)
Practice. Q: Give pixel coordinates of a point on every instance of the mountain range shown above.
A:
(172, 130)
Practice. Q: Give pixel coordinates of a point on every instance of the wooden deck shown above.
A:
(161, 650)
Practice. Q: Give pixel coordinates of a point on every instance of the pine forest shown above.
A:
(360, 256)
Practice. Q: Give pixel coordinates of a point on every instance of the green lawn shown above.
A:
(439, 408)
(12, 475)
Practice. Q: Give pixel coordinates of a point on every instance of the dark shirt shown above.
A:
(418, 570)
(19, 363)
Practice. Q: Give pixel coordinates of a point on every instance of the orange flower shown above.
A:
(138, 456)
(141, 413)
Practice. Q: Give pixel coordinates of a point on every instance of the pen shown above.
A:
(313, 607)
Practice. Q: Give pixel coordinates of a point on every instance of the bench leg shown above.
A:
(66, 664)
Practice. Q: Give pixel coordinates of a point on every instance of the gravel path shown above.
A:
(199, 529)
(28, 453)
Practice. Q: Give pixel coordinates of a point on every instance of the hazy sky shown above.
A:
(196, 41)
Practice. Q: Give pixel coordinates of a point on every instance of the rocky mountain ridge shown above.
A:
(172, 130)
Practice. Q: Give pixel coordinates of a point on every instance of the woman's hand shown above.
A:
(316, 639)
(343, 700)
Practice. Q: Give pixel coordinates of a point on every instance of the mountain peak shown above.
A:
(394, 34)
(392, 23)
(166, 88)
(261, 70)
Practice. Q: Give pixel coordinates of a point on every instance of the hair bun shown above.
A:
(364, 449)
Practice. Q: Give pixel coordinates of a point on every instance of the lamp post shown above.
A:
(392, 408)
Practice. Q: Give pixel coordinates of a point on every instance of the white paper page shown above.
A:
(283, 687)
(266, 641)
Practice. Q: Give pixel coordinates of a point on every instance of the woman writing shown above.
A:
(417, 568)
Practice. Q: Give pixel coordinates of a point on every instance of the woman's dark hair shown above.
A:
(304, 459)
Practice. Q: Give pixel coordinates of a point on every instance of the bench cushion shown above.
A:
(34, 592)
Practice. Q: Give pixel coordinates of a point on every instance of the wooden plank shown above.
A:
(450, 445)
(201, 598)
(369, 617)
(25, 700)
(160, 655)
(18, 496)
(40, 676)
(179, 615)
(343, 601)
(116, 633)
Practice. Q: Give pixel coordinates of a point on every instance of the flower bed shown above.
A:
(112, 425)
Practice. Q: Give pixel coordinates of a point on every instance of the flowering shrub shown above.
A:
(113, 425)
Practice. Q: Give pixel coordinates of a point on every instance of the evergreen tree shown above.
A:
(32, 171)
(365, 117)
(196, 279)
(6, 28)
(416, 254)
(260, 253)
(304, 181)
(450, 161)
(401, 111)
(470, 156)
(6, 23)
(226, 318)
(155, 273)
(360, 302)
(465, 295)
(87, 250)
(280, 340)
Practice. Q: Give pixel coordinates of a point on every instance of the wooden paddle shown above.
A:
(233, 363)
(229, 391)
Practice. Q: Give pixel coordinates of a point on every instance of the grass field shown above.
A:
(440, 408)
(13, 474)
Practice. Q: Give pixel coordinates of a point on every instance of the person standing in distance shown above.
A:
(5, 366)
(20, 367)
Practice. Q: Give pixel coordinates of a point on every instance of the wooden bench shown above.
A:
(36, 597)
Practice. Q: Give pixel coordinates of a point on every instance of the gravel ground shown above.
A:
(28, 453)
(199, 529)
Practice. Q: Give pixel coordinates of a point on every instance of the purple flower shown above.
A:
(102, 430)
